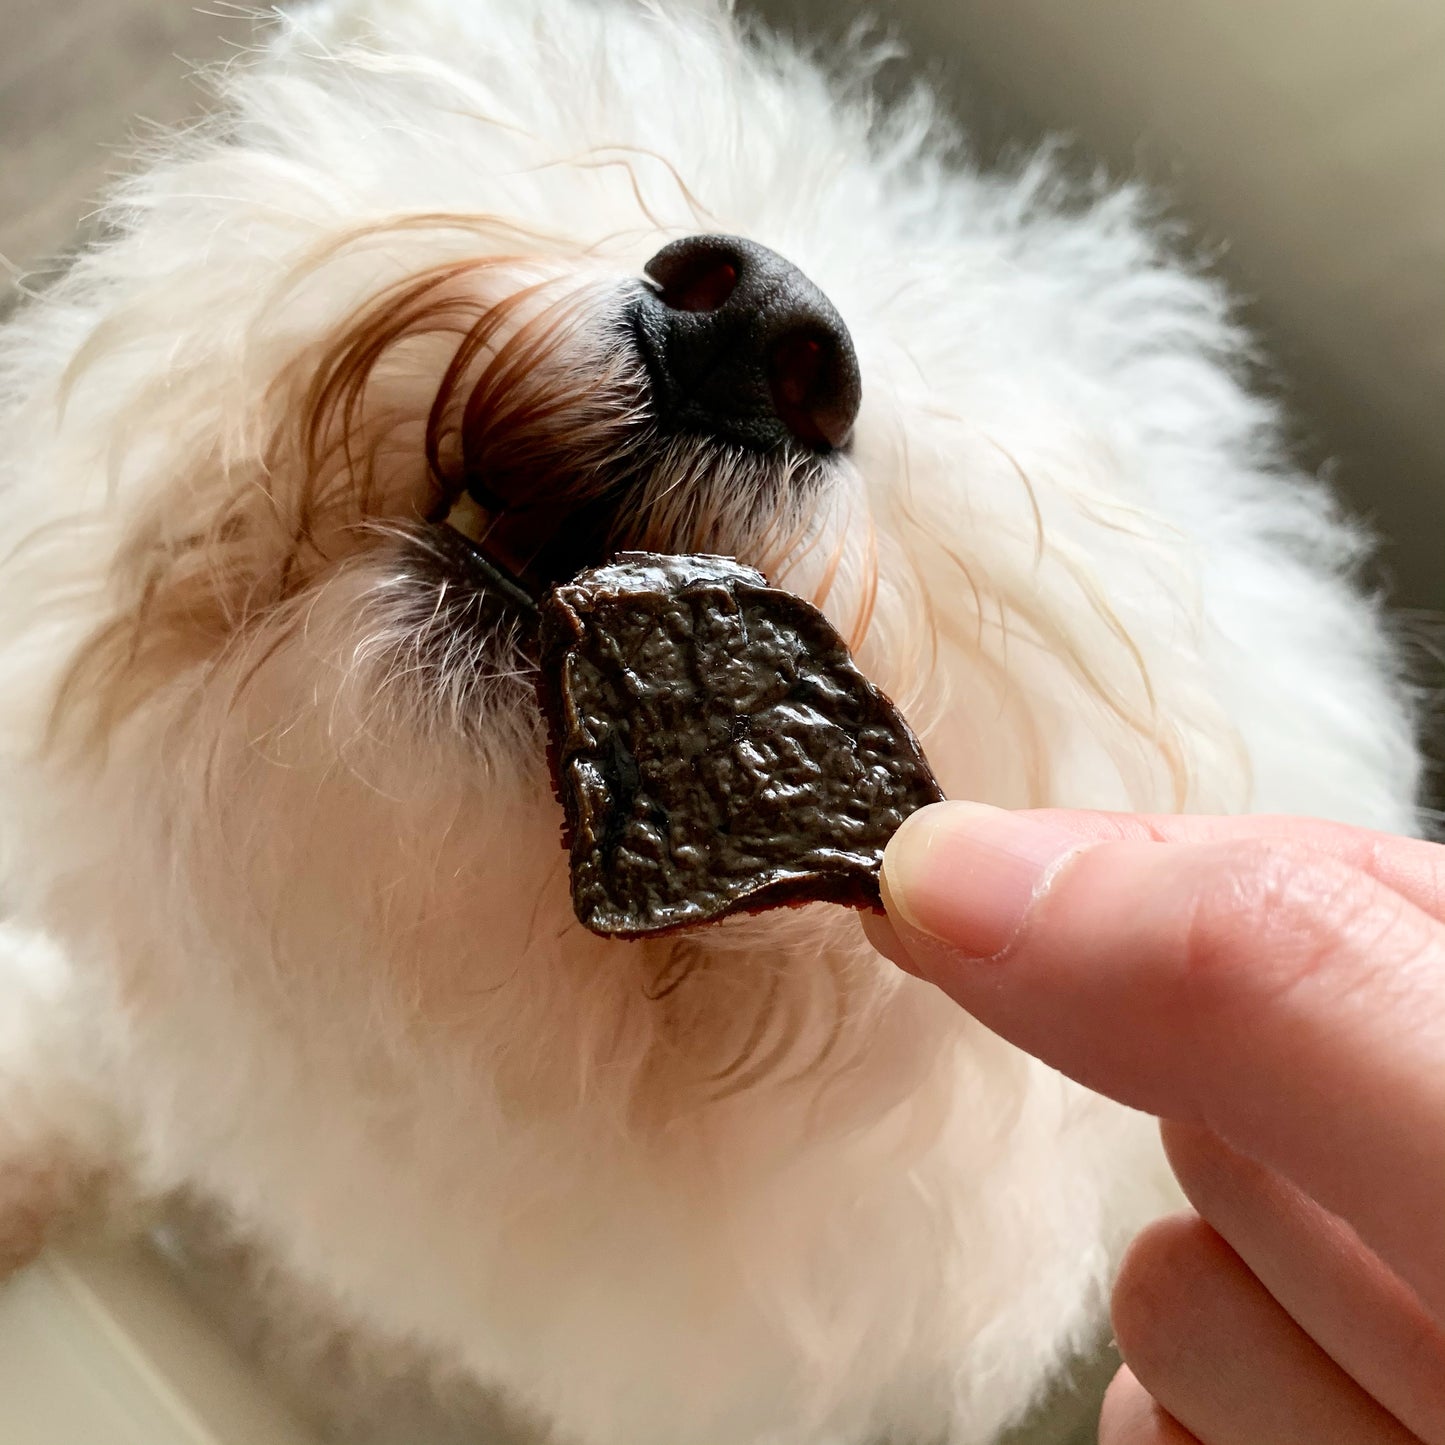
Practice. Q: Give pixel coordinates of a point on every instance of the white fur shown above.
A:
(282, 949)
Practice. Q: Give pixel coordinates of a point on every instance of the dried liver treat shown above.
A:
(715, 748)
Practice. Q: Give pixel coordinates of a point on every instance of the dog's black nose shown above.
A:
(743, 347)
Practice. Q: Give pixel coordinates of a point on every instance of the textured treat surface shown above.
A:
(715, 747)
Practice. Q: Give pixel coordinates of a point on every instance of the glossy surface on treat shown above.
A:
(715, 747)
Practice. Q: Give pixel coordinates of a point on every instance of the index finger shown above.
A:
(1285, 999)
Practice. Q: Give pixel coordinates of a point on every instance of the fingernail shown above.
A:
(967, 874)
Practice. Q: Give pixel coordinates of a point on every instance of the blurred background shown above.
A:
(1303, 144)
(1301, 141)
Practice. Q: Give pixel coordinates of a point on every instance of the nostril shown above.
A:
(699, 279)
(795, 366)
(808, 394)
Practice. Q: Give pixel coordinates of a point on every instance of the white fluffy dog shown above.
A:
(289, 932)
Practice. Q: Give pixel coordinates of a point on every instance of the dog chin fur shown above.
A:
(289, 929)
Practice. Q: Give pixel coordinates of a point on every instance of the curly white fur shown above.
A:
(290, 933)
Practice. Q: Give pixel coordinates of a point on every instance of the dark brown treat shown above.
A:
(715, 748)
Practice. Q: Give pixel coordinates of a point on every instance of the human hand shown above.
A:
(1275, 988)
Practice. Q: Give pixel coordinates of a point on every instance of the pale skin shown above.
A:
(1273, 989)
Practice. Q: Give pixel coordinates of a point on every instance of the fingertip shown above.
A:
(883, 937)
(906, 861)
(1126, 1403)
(1131, 1416)
(965, 874)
